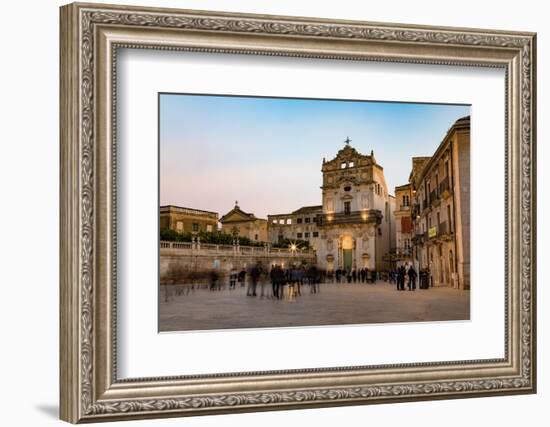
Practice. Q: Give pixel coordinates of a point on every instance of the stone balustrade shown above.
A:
(196, 248)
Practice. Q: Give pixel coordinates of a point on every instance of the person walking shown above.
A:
(242, 277)
(274, 281)
(398, 278)
(253, 284)
(233, 278)
(412, 278)
(402, 272)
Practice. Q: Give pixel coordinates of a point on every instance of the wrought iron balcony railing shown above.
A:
(353, 217)
(445, 188)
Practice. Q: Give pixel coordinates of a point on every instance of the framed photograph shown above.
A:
(265, 213)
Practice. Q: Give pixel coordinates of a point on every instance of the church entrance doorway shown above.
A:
(347, 259)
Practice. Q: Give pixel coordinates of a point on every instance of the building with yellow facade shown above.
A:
(240, 223)
(184, 220)
(441, 211)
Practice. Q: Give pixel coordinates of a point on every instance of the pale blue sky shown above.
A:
(267, 152)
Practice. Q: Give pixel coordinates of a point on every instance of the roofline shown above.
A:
(185, 207)
(402, 187)
(455, 127)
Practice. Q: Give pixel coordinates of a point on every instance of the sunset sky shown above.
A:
(267, 152)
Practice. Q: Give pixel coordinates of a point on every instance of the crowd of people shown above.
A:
(278, 282)
(293, 278)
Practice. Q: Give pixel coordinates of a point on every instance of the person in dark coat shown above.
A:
(401, 277)
(274, 281)
(254, 277)
(241, 278)
(412, 278)
(398, 278)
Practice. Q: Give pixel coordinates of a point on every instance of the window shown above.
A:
(289, 221)
(299, 220)
(209, 228)
(347, 208)
(347, 188)
(179, 225)
(274, 221)
(315, 234)
(255, 237)
(406, 201)
(307, 220)
(195, 227)
(280, 238)
(343, 165)
(306, 235)
(351, 164)
(299, 235)
(379, 231)
(281, 221)
(314, 219)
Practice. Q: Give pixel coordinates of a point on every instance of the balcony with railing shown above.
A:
(351, 217)
(445, 188)
(425, 205)
(441, 231)
(434, 198)
(420, 238)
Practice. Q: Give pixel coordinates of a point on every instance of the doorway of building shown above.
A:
(347, 259)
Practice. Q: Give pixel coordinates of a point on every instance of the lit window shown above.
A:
(350, 165)
(209, 228)
(289, 221)
(343, 165)
(281, 221)
(179, 225)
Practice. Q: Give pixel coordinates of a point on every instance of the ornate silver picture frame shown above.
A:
(91, 35)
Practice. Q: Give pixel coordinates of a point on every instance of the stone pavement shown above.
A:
(335, 304)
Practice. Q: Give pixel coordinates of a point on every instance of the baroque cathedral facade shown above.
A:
(354, 227)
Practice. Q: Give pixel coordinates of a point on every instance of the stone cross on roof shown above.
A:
(347, 140)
